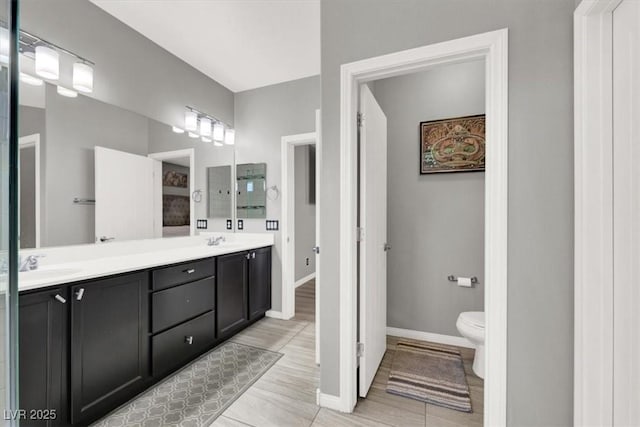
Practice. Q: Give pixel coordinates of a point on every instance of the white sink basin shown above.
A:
(47, 273)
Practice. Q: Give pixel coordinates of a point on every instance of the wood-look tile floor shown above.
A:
(286, 394)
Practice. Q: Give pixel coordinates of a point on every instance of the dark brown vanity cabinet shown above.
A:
(109, 344)
(232, 293)
(88, 347)
(244, 289)
(43, 358)
(259, 282)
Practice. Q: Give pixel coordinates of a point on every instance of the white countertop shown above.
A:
(63, 265)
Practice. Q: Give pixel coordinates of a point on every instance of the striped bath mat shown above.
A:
(431, 373)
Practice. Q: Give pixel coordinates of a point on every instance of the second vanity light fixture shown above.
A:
(47, 58)
(208, 128)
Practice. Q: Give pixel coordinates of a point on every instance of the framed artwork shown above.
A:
(452, 145)
(173, 178)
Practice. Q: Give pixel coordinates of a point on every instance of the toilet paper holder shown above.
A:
(453, 278)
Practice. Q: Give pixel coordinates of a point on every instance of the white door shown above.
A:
(373, 224)
(124, 196)
(626, 211)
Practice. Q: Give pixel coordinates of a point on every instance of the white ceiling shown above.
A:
(242, 44)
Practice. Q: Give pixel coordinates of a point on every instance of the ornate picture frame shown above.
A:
(452, 145)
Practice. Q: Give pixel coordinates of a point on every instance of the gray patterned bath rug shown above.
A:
(199, 393)
(432, 373)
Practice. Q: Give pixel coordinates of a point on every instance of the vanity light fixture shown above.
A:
(230, 137)
(30, 80)
(193, 135)
(218, 132)
(67, 92)
(205, 139)
(218, 144)
(205, 126)
(83, 77)
(47, 62)
(191, 120)
(176, 129)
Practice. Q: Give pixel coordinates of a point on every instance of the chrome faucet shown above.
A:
(30, 263)
(215, 241)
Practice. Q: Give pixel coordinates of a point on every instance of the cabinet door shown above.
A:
(232, 293)
(109, 344)
(259, 282)
(42, 357)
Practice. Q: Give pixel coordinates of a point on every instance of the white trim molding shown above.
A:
(275, 315)
(429, 336)
(304, 280)
(593, 175)
(328, 401)
(34, 141)
(492, 47)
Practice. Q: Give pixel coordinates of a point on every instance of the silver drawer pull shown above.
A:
(188, 340)
(253, 255)
(190, 271)
(60, 298)
(79, 294)
(248, 256)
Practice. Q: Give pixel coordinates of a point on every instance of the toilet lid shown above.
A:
(475, 318)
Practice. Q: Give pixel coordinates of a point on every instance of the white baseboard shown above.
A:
(274, 314)
(304, 280)
(330, 401)
(428, 336)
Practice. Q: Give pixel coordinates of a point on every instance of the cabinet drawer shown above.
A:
(174, 305)
(183, 273)
(172, 348)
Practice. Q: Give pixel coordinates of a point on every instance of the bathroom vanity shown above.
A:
(87, 346)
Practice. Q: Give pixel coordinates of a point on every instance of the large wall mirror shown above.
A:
(94, 172)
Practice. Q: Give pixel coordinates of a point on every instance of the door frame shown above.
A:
(287, 151)
(34, 141)
(493, 48)
(593, 187)
(180, 154)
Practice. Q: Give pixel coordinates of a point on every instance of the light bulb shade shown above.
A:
(205, 139)
(67, 92)
(218, 144)
(191, 120)
(47, 63)
(176, 129)
(4, 45)
(230, 137)
(83, 77)
(193, 135)
(218, 132)
(30, 80)
(205, 126)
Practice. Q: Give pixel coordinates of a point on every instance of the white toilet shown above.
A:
(470, 324)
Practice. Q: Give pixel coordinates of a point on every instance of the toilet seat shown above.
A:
(473, 318)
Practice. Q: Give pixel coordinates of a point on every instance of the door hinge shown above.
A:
(360, 349)
(359, 234)
(360, 119)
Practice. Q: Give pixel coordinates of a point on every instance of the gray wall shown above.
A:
(305, 227)
(436, 221)
(262, 117)
(74, 127)
(131, 71)
(540, 250)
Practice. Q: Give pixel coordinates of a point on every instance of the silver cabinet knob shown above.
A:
(253, 255)
(248, 255)
(190, 271)
(188, 339)
(79, 294)
(60, 298)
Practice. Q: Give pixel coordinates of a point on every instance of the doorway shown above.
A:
(290, 143)
(173, 186)
(29, 193)
(492, 47)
